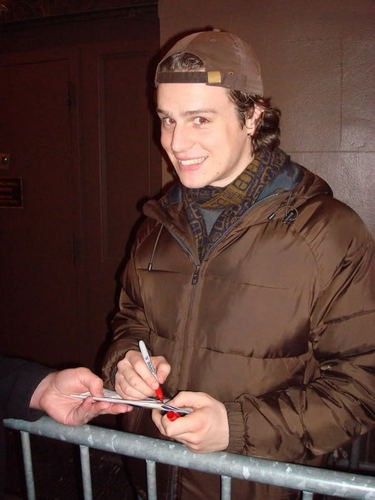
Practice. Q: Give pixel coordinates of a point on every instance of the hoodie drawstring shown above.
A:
(149, 267)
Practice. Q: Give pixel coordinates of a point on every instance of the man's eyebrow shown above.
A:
(161, 112)
(200, 112)
(189, 113)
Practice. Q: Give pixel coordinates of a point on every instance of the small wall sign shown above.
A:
(11, 195)
(4, 161)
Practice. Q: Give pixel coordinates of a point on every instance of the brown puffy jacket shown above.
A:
(277, 322)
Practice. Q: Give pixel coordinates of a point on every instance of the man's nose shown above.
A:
(181, 139)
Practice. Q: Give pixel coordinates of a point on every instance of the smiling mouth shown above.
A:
(192, 161)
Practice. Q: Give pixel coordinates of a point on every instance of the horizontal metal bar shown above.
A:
(299, 477)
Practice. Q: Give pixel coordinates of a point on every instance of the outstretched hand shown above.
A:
(204, 430)
(52, 397)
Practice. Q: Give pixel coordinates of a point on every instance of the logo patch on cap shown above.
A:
(214, 77)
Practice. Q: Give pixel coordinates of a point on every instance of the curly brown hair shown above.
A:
(267, 133)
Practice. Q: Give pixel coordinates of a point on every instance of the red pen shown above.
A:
(172, 415)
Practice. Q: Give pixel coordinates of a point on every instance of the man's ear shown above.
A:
(252, 123)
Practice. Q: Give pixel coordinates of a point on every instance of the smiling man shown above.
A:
(250, 284)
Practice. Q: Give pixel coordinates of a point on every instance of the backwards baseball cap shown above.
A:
(228, 62)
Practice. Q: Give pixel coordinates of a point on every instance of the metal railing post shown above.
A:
(307, 495)
(355, 454)
(151, 480)
(28, 464)
(86, 472)
(226, 485)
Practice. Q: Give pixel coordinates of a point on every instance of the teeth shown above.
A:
(193, 161)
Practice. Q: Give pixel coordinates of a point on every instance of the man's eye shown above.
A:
(200, 120)
(167, 122)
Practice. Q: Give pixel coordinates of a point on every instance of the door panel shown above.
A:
(38, 287)
(75, 118)
(126, 168)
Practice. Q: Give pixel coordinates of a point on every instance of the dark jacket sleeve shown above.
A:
(336, 402)
(129, 324)
(18, 381)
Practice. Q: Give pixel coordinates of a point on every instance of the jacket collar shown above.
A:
(290, 188)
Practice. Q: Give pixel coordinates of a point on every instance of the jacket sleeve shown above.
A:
(18, 380)
(336, 401)
(129, 324)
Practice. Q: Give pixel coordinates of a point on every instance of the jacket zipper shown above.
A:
(197, 264)
(186, 249)
(195, 277)
(174, 470)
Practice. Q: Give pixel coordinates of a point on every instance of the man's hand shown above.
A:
(205, 429)
(52, 397)
(134, 380)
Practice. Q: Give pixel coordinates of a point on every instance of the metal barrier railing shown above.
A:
(309, 480)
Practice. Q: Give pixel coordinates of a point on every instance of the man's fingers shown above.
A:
(134, 378)
(190, 399)
(203, 430)
(90, 381)
(116, 409)
(163, 368)
(132, 387)
(90, 409)
(156, 418)
(103, 408)
(176, 428)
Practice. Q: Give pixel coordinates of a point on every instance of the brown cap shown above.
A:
(228, 61)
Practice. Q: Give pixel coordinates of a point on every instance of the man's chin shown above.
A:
(190, 184)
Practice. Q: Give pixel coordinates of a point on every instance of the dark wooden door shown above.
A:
(38, 276)
(76, 121)
(120, 172)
